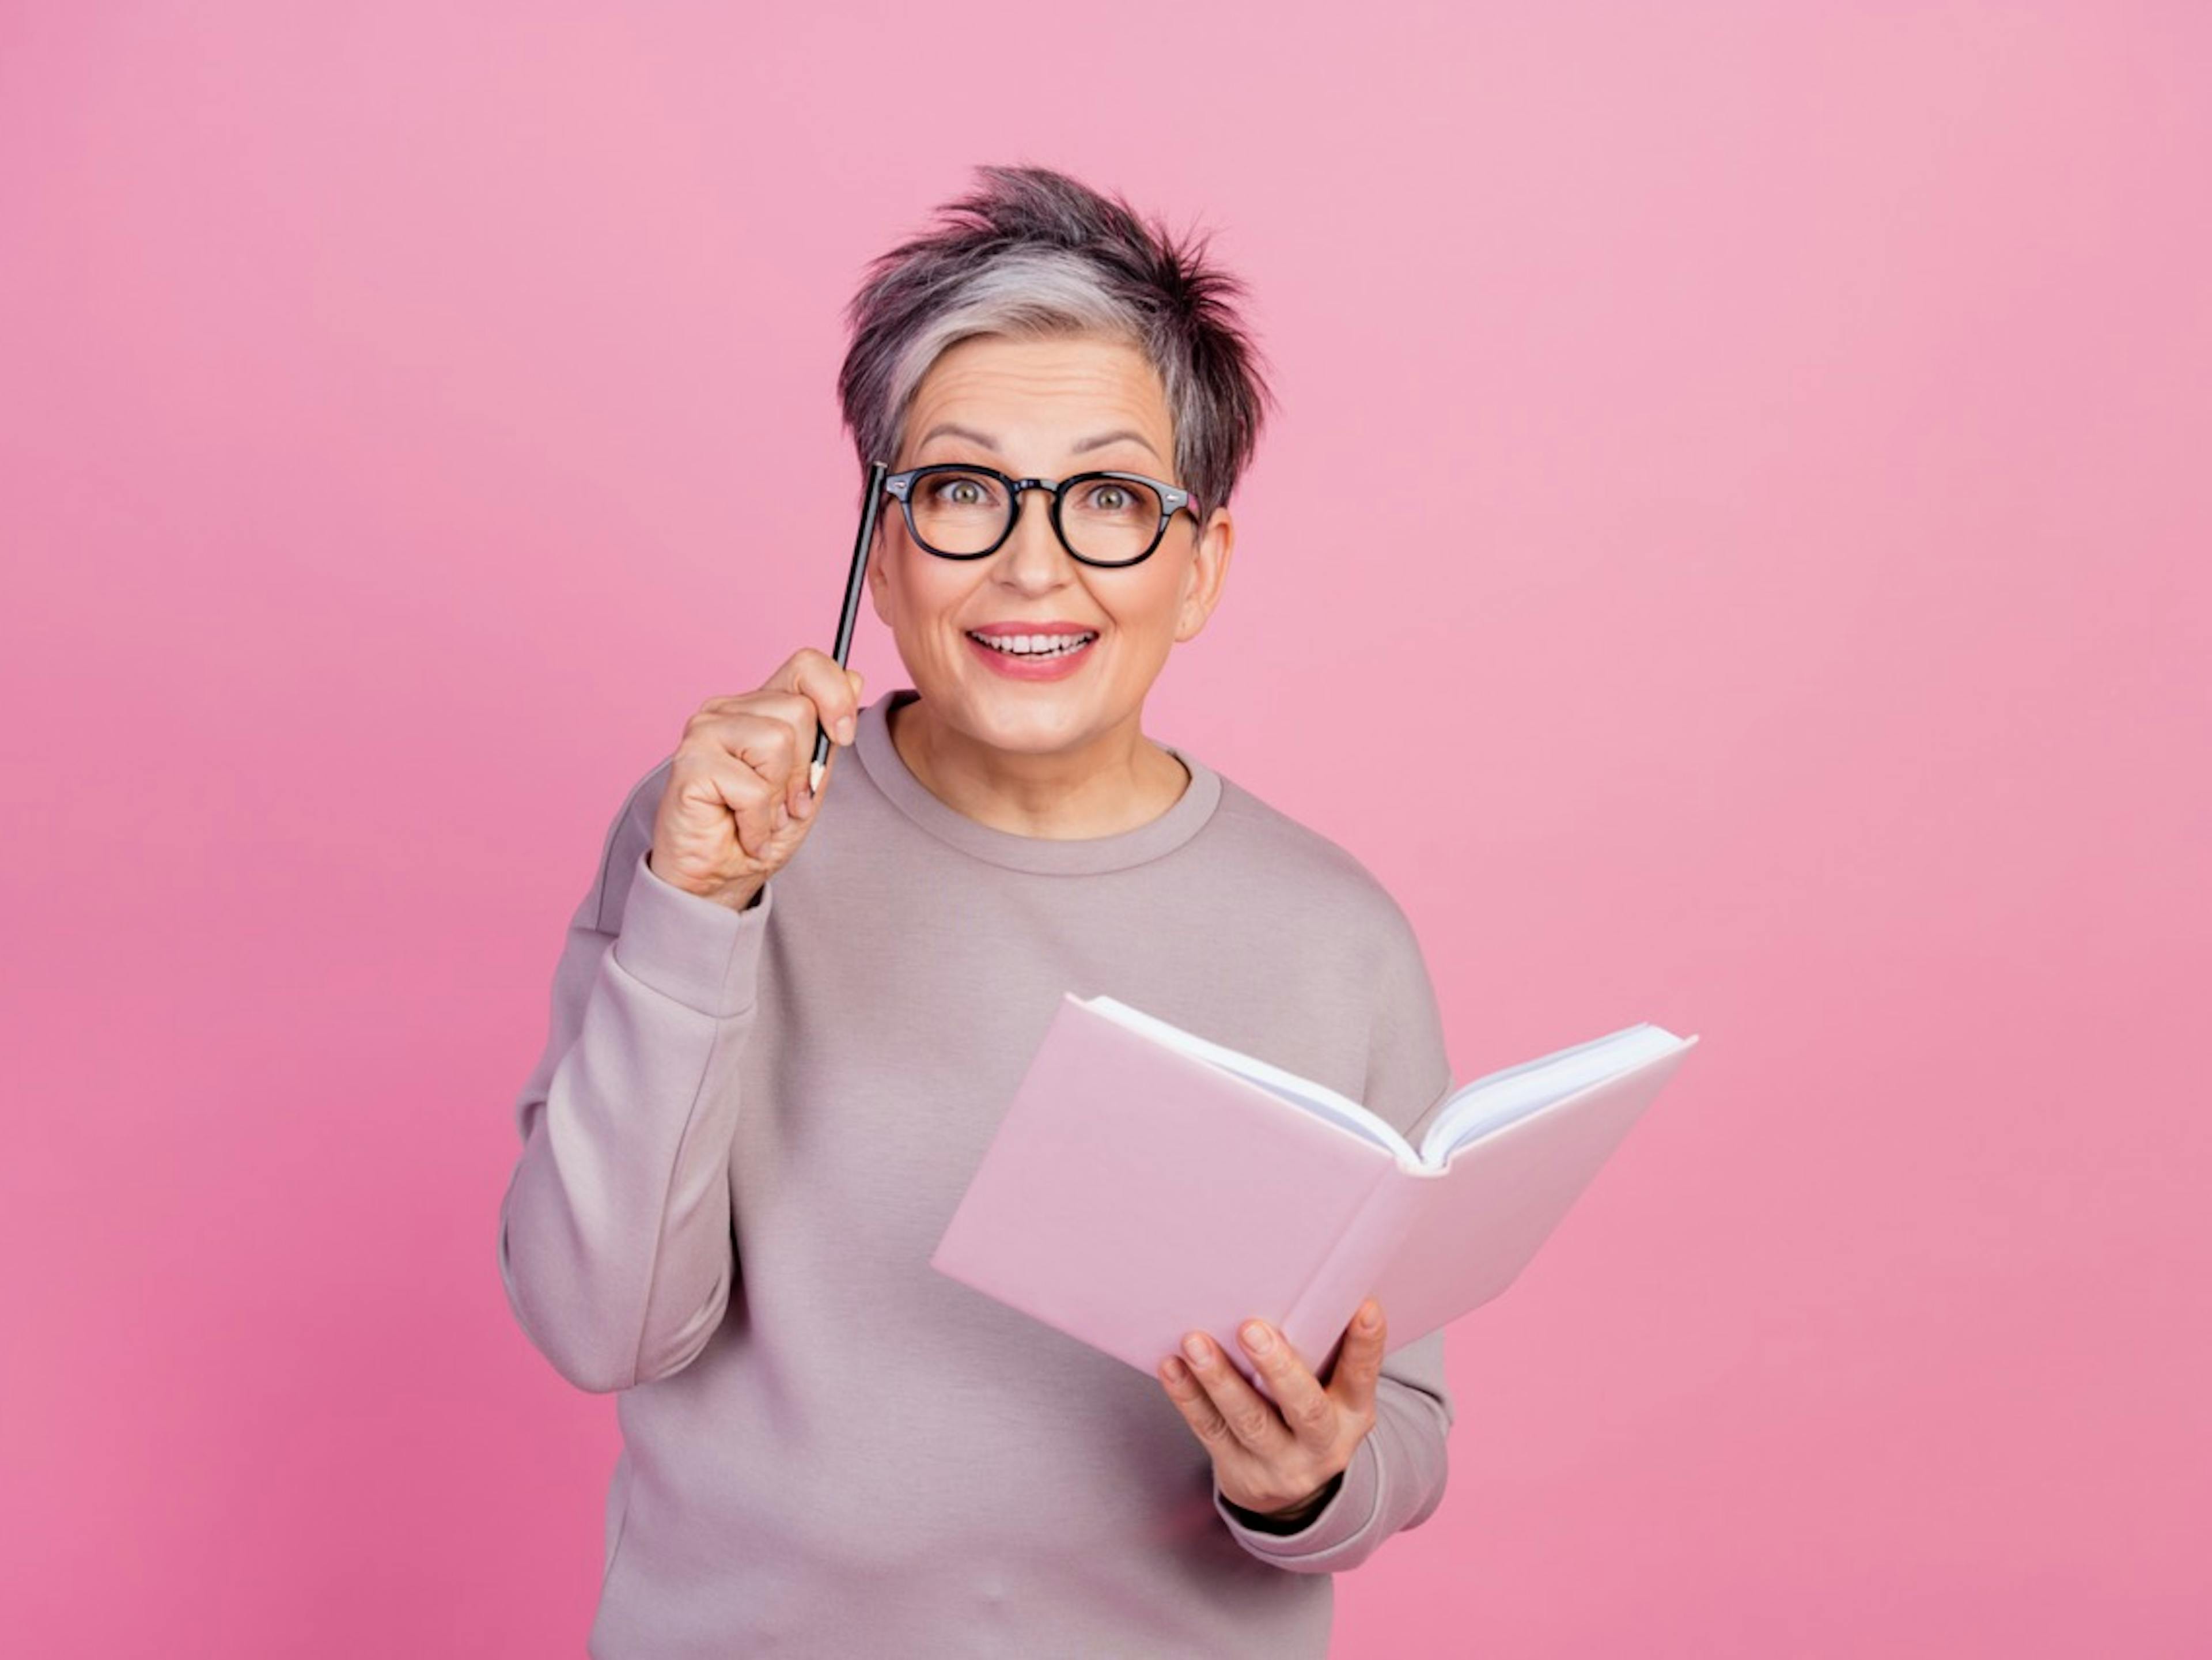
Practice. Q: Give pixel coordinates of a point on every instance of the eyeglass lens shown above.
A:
(958, 512)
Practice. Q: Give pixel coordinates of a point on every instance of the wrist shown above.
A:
(1290, 1518)
(740, 895)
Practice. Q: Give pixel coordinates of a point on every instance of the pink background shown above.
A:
(1733, 554)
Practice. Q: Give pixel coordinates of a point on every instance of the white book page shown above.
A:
(1316, 1098)
(1491, 1102)
(1479, 1109)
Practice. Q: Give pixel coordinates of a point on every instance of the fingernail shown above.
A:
(1194, 1346)
(1370, 1320)
(845, 729)
(1256, 1338)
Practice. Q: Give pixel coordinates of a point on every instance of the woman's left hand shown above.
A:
(1269, 1457)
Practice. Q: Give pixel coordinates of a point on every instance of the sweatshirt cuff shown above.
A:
(1334, 1526)
(694, 950)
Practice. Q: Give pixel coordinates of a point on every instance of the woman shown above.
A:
(783, 1031)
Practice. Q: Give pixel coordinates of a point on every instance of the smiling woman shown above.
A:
(1053, 746)
(771, 1073)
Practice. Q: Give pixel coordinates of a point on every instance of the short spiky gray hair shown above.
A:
(1031, 252)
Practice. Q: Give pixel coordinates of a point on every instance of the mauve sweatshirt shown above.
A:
(748, 1130)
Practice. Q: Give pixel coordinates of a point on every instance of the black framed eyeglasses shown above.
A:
(959, 510)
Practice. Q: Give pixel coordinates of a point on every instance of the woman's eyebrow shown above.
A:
(953, 429)
(1106, 438)
(948, 430)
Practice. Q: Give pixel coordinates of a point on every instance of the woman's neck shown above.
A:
(1114, 784)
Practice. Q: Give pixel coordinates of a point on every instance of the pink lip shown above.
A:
(1001, 630)
(1020, 668)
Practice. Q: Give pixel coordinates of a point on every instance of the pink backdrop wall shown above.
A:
(1778, 610)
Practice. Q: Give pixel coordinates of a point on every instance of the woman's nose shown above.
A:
(1033, 547)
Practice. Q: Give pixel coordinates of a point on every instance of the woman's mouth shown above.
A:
(1033, 656)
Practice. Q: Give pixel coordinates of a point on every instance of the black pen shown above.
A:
(844, 647)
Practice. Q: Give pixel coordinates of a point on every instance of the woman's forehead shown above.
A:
(1066, 391)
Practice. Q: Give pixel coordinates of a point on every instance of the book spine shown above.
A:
(1347, 1276)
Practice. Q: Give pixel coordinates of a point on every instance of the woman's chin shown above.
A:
(1028, 720)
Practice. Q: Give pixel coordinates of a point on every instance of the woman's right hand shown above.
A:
(736, 805)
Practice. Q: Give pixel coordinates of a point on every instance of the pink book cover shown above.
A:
(1133, 1193)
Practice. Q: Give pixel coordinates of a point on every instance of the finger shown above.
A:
(714, 778)
(1196, 1406)
(773, 734)
(771, 731)
(810, 714)
(805, 798)
(764, 729)
(1359, 1362)
(831, 690)
(1251, 1420)
(1306, 1409)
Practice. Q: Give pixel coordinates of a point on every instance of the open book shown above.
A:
(1146, 1182)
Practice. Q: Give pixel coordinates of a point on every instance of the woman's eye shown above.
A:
(1109, 498)
(962, 493)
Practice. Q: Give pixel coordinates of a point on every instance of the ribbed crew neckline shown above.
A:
(1041, 855)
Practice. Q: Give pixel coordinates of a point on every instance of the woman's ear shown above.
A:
(1209, 571)
(879, 581)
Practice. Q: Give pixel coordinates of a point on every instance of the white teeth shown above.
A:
(1034, 645)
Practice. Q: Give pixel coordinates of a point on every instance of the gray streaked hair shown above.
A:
(1032, 252)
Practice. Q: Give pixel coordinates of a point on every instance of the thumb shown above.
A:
(1359, 1358)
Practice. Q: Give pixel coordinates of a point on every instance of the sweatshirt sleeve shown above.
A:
(616, 1242)
(1397, 1476)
